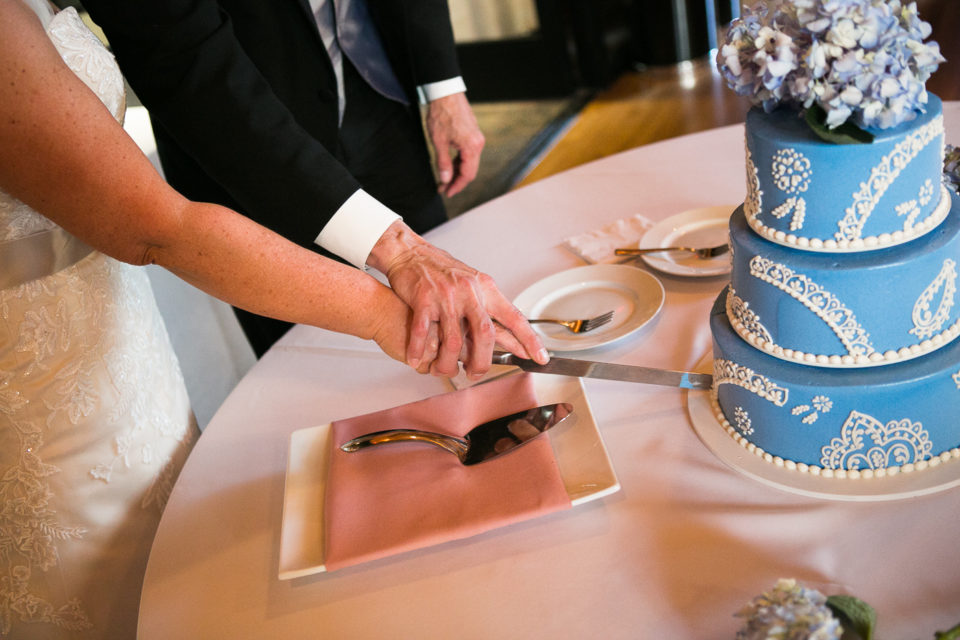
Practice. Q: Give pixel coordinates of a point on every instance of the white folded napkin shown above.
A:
(597, 246)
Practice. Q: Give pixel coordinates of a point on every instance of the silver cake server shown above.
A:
(484, 442)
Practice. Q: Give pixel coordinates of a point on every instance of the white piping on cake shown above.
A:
(868, 243)
(801, 467)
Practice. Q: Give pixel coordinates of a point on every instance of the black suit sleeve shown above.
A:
(184, 61)
(419, 37)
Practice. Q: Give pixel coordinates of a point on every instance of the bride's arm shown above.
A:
(62, 153)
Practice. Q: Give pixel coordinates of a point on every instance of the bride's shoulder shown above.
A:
(43, 9)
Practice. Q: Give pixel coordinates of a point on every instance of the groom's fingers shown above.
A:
(481, 335)
(451, 340)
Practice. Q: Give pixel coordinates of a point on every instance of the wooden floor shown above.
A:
(664, 102)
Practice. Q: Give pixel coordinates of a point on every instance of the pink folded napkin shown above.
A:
(397, 497)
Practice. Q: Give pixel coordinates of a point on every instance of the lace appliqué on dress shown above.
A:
(82, 351)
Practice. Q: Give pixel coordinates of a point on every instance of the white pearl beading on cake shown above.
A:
(875, 358)
(801, 467)
(868, 243)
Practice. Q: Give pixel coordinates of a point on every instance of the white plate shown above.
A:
(896, 487)
(582, 459)
(634, 296)
(706, 227)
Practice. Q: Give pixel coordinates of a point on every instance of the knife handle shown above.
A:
(503, 357)
(454, 445)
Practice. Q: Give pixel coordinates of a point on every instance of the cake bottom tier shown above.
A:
(837, 422)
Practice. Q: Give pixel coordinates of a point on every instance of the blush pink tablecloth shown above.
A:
(672, 555)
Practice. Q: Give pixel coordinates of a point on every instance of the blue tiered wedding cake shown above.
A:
(834, 345)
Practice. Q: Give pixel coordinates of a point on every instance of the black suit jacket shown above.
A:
(243, 99)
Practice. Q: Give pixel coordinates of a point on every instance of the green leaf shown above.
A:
(854, 615)
(846, 133)
(950, 634)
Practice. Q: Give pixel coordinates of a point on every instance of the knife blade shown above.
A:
(609, 371)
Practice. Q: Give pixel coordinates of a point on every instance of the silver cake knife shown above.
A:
(608, 371)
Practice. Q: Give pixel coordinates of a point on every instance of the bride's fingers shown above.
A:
(431, 346)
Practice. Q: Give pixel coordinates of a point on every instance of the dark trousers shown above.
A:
(382, 145)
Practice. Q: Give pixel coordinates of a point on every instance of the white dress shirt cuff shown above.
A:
(435, 90)
(356, 227)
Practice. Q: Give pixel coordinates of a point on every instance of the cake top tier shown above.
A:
(810, 194)
(858, 64)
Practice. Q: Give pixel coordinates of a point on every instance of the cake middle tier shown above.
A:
(846, 309)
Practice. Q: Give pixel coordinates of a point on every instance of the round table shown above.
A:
(674, 554)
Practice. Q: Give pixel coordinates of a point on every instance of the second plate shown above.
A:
(705, 227)
(634, 296)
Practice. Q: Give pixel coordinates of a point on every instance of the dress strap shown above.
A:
(38, 255)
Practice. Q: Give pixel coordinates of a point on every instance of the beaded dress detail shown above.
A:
(95, 422)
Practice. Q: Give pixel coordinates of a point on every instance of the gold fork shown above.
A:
(579, 326)
(702, 252)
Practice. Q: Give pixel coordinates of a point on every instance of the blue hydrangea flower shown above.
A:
(860, 60)
(951, 167)
(789, 612)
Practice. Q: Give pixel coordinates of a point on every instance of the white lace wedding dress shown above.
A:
(94, 417)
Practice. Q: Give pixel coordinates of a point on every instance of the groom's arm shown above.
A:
(419, 34)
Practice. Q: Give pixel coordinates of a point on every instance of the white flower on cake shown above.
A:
(896, 443)
(925, 324)
(791, 171)
(956, 379)
(742, 419)
(821, 404)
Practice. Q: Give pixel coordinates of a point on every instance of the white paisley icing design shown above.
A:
(882, 176)
(740, 311)
(821, 302)
(950, 455)
(896, 443)
(754, 202)
(925, 323)
(727, 372)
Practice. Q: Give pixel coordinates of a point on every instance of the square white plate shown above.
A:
(581, 456)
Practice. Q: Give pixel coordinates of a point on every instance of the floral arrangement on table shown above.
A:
(951, 167)
(792, 612)
(848, 65)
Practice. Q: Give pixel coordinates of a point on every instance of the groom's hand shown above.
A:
(458, 312)
(457, 142)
